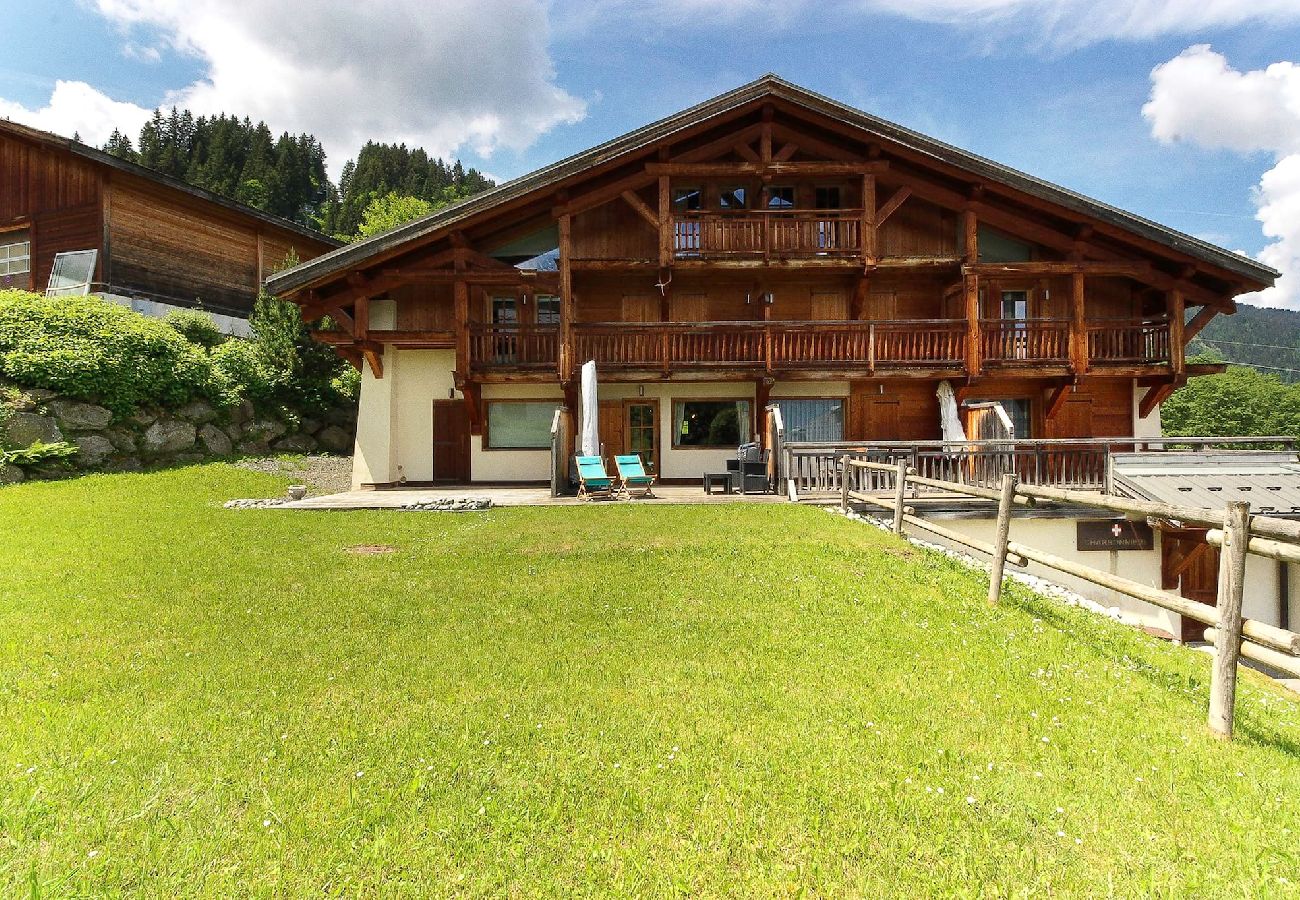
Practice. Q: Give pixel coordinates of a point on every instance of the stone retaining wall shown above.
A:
(149, 438)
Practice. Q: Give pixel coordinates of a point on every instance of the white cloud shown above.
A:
(77, 108)
(443, 75)
(1199, 98)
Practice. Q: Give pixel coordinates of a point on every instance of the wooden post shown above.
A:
(973, 361)
(1177, 342)
(900, 489)
(565, 362)
(1078, 326)
(665, 223)
(461, 309)
(844, 484)
(1005, 502)
(970, 226)
(1227, 648)
(869, 219)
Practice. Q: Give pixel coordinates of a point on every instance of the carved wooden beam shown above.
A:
(1056, 399)
(891, 206)
(1199, 321)
(760, 169)
(642, 210)
(375, 359)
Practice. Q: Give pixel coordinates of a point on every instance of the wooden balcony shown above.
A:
(513, 346)
(763, 234)
(1027, 341)
(1140, 341)
(918, 345)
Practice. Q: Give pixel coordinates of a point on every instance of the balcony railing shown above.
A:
(514, 346)
(1129, 340)
(1008, 341)
(940, 344)
(812, 468)
(767, 233)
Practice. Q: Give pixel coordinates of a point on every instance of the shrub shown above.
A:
(196, 327)
(38, 452)
(95, 350)
(296, 371)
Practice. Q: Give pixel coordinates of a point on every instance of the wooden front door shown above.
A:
(1190, 566)
(450, 441)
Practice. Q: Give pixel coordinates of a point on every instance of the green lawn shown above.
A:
(631, 699)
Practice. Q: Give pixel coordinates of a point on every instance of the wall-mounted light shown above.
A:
(769, 298)
(451, 393)
(640, 390)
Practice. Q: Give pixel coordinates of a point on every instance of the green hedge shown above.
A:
(96, 350)
(91, 348)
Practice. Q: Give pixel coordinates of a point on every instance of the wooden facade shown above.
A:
(779, 244)
(158, 239)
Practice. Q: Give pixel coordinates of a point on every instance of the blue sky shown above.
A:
(509, 85)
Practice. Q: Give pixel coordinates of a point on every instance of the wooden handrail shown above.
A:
(1231, 633)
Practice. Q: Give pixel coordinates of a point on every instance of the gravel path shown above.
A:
(321, 474)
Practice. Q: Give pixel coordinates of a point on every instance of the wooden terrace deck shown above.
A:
(523, 495)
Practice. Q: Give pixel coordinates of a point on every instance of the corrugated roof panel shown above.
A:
(1269, 482)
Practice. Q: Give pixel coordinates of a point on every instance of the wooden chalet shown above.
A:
(158, 239)
(768, 246)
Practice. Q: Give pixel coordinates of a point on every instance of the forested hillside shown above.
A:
(286, 175)
(1266, 339)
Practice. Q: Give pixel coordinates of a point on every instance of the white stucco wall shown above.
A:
(421, 377)
(1057, 536)
(1150, 426)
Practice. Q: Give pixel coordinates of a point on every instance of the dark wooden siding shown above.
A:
(172, 247)
(35, 180)
(74, 228)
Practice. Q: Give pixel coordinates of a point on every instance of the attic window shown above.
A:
(687, 199)
(732, 198)
(780, 198)
(827, 197)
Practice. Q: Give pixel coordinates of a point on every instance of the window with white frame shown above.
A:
(15, 258)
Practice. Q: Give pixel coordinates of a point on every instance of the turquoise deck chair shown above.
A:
(592, 479)
(632, 476)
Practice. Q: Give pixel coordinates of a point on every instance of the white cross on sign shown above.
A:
(1116, 529)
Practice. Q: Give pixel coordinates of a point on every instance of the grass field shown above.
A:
(631, 699)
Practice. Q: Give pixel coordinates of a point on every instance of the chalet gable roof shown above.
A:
(767, 87)
(99, 157)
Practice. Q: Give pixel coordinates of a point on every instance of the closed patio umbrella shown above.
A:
(590, 411)
(949, 418)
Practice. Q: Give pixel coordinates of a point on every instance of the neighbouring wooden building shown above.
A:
(769, 246)
(158, 239)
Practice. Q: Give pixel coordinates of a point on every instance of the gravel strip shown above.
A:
(322, 474)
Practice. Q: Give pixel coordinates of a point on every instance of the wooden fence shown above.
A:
(1235, 531)
(813, 468)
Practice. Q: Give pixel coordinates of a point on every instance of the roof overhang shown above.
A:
(550, 178)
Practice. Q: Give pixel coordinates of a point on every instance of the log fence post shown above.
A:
(900, 490)
(1227, 647)
(844, 485)
(1005, 502)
